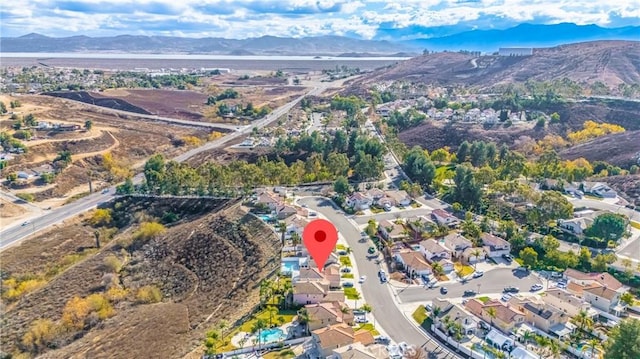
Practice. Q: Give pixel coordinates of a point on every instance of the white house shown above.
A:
(359, 201)
(413, 263)
(495, 246)
(457, 243)
(400, 197)
(575, 226)
(599, 189)
(444, 218)
(432, 250)
(603, 298)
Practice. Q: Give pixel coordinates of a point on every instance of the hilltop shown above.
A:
(611, 62)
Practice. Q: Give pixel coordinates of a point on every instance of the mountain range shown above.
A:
(523, 35)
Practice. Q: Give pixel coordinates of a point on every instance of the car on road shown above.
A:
(347, 284)
(346, 270)
(444, 290)
(478, 274)
(536, 287)
(105, 191)
(403, 347)
(381, 339)
(362, 279)
(382, 275)
(469, 293)
(507, 257)
(511, 289)
(25, 223)
(371, 250)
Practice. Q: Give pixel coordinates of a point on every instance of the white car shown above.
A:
(403, 347)
(362, 279)
(478, 274)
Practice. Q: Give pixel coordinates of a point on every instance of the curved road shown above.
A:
(378, 295)
(15, 233)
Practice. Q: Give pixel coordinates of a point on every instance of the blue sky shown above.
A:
(396, 19)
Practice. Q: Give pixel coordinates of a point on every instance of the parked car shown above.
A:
(511, 289)
(428, 307)
(506, 297)
(342, 253)
(478, 274)
(484, 325)
(381, 339)
(444, 290)
(469, 293)
(371, 250)
(536, 287)
(362, 279)
(361, 319)
(507, 257)
(347, 284)
(346, 270)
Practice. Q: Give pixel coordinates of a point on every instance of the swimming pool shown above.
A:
(266, 218)
(588, 351)
(288, 267)
(272, 335)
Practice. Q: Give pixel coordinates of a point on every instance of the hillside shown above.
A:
(207, 266)
(611, 62)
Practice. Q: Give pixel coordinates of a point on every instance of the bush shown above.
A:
(148, 230)
(101, 217)
(148, 294)
(100, 304)
(113, 263)
(29, 197)
(116, 294)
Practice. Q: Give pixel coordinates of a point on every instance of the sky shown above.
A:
(238, 19)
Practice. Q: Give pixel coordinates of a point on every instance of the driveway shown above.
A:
(378, 295)
(492, 282)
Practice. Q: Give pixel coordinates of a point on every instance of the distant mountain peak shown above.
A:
(34, 36)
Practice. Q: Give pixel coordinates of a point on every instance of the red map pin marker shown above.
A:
(320, 237)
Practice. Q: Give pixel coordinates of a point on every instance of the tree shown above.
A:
(3, 108)
(304, 319)
(529, 257)
(463, 152)
(466, 191)
(367, 308)
(608, 226)
(41, 335)
(627, 298)
(555, 117)
(624, 340)
(282, 228)
(476, 254)
(372, 227)
(599, 263)
(491, 312)
(101, 217)
(75, 312)
(258, 326)
(583, 321)
(437, 269)
(272, 311)
(148, 230)
(341, 185)
(418, 166)
(552, 206)
(88, 124)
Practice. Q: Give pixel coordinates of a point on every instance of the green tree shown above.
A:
(341, 185)
(608, 226)
(624, 340)
(466, 191)
(338, 164)
(529, 257)
(88, 125)
(3, 108)
(553, 205)
(584, 259)
(418, 166)
(583, 321)
(599, 263)
(463, 152)
(627, 298)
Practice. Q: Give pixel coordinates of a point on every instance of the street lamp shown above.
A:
(478, 288)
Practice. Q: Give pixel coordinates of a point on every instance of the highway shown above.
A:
(16, 232)
(387, 313)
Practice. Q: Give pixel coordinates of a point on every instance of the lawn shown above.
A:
(352, 293)
(369, 327)
(483, 299)
(415, 204)
(347, 276)
(466, 270)
(635, 225)
(284, 354)
(341, 247)
(345, 261)
(420, 315)
(376, 210)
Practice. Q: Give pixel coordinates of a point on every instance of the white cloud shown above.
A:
(248, 18)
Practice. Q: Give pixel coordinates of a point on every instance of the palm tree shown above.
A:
(476, 253)
(257, 328)
(555, 348)
(265, 292)
(222, 325)
(357, 297)
(583, 321)
(437, 269)
(282, 228)
(304, 319)
(491, 312)
(527, 336)
(543, 343)
(295, 239)
(272, 311)
(367, 308)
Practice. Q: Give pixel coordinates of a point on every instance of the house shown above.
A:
(456, 243)
(433, 250)
(328, 313)
(386, 202)
(413, 263)
(575, 226)
(312, 292)
(332, 274)
(401, 198)
(359, 201)
(44, 169)
(473, 255)
(499, 341)
(495, 246)
(542, 316)
(375, 194)
(456, 314)
(295, 224)
(599, 189)
(392, 231)
(446, 265)
(326, 339)
(504, 317)
(565, 301)
(604, 279)
(26, 174)
(444, 218)
(359, 351)
(308, 275)
(284, 211)
(603, 298)
(268, 199)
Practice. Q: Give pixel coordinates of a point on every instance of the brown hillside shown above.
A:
(612, 62)
(621, 149)
(207, 265)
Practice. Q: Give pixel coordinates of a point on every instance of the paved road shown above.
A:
(387, 314)
(602, 205)
(15, 233)
(492, 282)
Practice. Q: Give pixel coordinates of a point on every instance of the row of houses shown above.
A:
(360, 201)
(599, 189)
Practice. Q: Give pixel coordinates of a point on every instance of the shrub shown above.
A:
(100, 304)
(41, 335)
(116, 294)
(29, 197)
(148, 230)
(192, 140)
(75, 312)
(101, 217)
(113, 263)
(148, 294)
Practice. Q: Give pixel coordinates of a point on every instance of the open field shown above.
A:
(129, 141)
(207, 266)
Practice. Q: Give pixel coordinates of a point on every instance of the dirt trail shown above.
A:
(116, 143)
